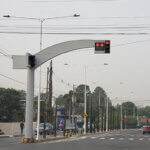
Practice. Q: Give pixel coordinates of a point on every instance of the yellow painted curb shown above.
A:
(28, 140)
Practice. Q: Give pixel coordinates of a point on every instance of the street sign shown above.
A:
(74, 99)
(85, 115)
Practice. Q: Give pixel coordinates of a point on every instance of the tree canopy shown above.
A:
(10, 105)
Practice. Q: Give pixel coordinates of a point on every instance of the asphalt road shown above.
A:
(118, 140)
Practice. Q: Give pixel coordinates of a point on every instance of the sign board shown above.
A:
(19, 62)
(74, 99)
(85, 115)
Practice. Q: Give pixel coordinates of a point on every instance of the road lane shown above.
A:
(118, 140)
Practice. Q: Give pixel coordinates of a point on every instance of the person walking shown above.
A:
(21, 127)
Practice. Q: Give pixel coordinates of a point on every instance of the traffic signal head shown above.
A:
(30, 60)
(107, 46)
(102, 46)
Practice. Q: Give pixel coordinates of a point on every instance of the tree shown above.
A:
(10, 105)
(130, 108)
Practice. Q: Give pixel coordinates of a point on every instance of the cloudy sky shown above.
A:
(125, 22)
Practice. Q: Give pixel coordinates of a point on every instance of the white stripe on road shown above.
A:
(111, 138)
(102, 138)
(93, 137)
(131, 139)
(141, 139)
(84, 137)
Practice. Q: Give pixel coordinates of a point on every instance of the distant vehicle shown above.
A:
(71, 127)
(146, 129)
(48, 129)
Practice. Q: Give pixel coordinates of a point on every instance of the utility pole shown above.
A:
(98, 110)
(91, 117)
(107, 113)
(50, 92)
(47, 91)
(125, 120)
(46, 99)
(73, 102)
(121, 116)
(85, 104)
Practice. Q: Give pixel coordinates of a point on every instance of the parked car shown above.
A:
(48, 129)
(71, 127)
(146, 129)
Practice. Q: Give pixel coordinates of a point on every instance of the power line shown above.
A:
(68, 1)
(12, 79)
(77, 33)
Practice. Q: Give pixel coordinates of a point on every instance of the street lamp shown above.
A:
(41, 20)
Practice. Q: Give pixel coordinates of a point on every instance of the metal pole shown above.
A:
(85, 104)
(73, 101)
(98, 111)
(121, 116)
(29, 103)
(125, 119)
(107, 115)
(39, 94)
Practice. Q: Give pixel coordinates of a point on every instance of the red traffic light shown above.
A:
(107, 42)
(97, 44)
(102, 44)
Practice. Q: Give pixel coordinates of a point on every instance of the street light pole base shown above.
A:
(28, 140)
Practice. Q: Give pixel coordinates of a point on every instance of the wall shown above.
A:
(12, 128)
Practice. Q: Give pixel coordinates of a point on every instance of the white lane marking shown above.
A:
(131, 139)
(93, 137)
(121, 139)
(111, 138)
(102, 138)
(84, 137)
(141, 139)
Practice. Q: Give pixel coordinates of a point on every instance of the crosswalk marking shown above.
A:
(84, 137)
(111, 138)
(141, 139)
(131, 139)
(102, 138)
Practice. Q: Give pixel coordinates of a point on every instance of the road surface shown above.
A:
(118, 140)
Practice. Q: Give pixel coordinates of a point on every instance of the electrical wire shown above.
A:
(12, 79)
(78, 33)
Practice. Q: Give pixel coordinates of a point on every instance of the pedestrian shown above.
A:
(21, 127)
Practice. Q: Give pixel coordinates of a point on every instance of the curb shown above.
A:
(5, 136)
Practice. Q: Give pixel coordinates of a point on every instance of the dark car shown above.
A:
(146, 129)
(48, 129)
(71, 127)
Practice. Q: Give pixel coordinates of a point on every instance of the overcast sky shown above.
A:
(125, 22)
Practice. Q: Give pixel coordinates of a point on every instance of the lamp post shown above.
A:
(41, 20)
